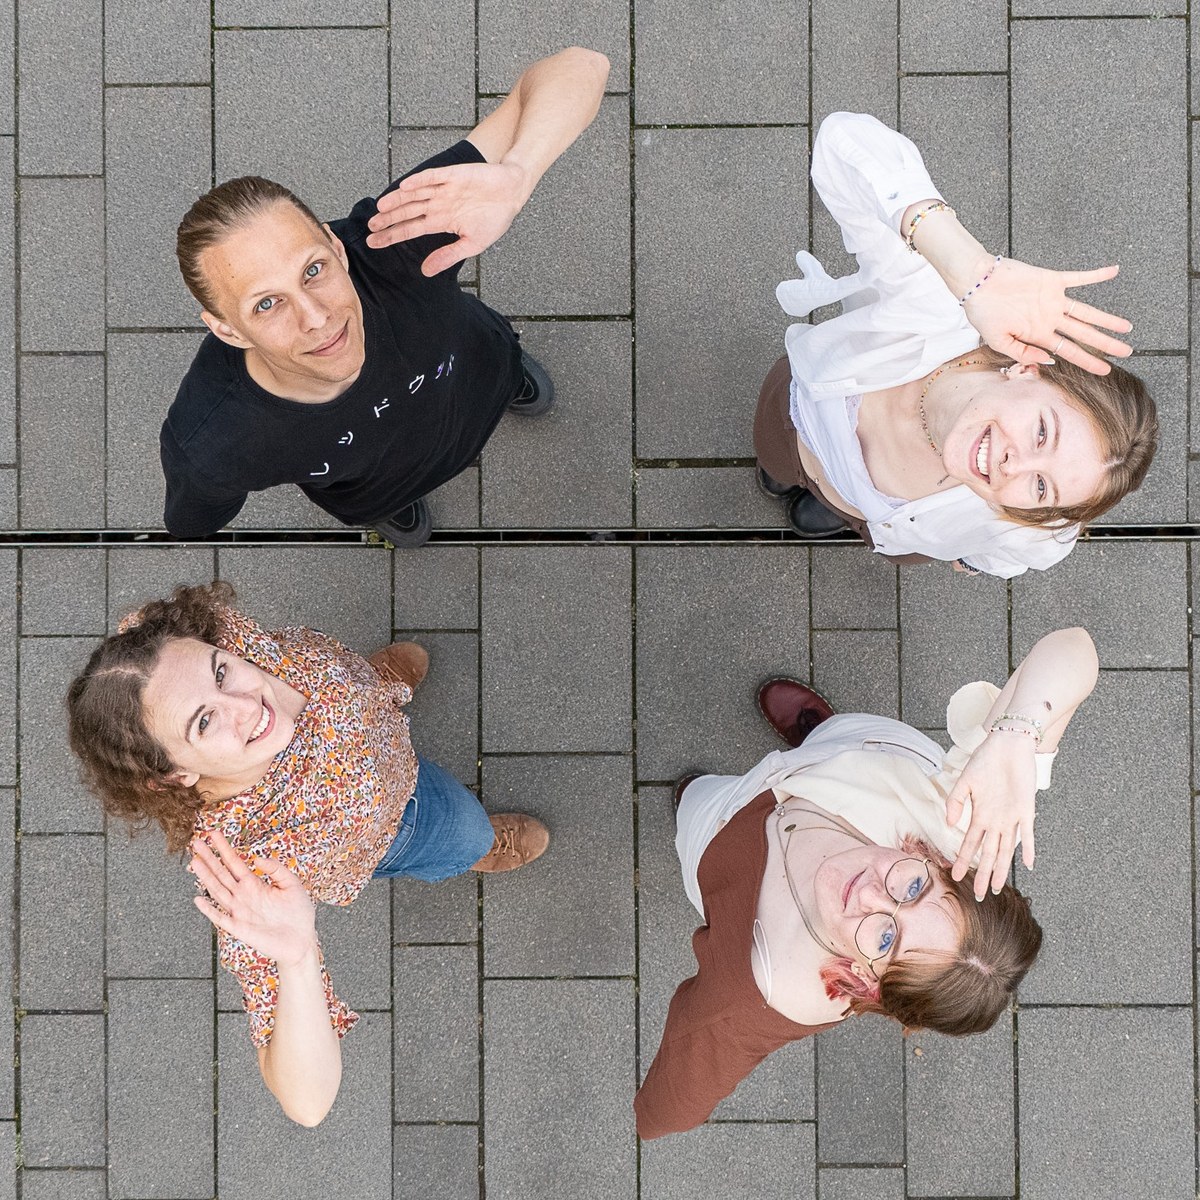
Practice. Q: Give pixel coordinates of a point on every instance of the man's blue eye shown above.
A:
(1041, 432)
(885, 942)
(220, 675)
(202, 724)
(312, 271)
(265, 304)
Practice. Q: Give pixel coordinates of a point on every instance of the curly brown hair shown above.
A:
(1123, 415)
(122, 763)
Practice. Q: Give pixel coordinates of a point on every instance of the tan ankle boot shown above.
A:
(520, 839)
(402, 662)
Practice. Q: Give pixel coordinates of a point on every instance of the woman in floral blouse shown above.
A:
(283, 762)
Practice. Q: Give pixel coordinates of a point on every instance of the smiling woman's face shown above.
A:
(851, 885)
(1019, 443)
(218, 717)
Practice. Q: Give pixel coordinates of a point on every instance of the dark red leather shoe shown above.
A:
(792, 709)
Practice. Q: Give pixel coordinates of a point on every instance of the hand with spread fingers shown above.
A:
(1000, 780)
(269, 911)
(1023, 311)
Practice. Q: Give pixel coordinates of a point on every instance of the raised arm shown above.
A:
(1019, 310)
(1000, 779)
(552, 103)
(271, 912)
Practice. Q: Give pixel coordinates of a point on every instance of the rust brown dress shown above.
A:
(719, 1027)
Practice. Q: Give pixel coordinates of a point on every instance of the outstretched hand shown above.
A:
(270, 912)
(1024, 312)
(476, 201)
(1000, 780)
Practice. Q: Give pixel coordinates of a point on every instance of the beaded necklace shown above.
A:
(968, 362)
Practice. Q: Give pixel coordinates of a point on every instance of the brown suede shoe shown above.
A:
(520, 839)
(402, 662)
(793, 709)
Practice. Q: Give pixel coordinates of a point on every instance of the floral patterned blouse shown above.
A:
(330, 804)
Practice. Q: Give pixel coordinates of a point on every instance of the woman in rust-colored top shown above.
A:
(283, 761)
(825, 881)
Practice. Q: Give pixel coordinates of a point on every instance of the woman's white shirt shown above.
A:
(882, 776)
(898, 323)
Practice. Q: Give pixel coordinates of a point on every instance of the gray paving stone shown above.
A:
(140, 573)
(860, 1091)
(941, 612)
(559, 1071)
(62, 1091)
(8, 498)
(1081, 1134)
(436, 1034)
(8, 41)
(158, 159)
(1193, 488)
(8, 1160)
(1163, 497)
(283, 507)
(164, 43)
(8, 256)
(960, 124)
(434, 89)
(62, 928)
(63, 590)
(144, 370)
(435, 912)
(704, 497)
(858, 671)
(60, 66)
(152, 929)
(53, 800)
(572, 913)
(960, 1113)
(291, 125)
(357, 941)
(301, 12)
(62, 264)
(568, 251)
(781, 1088)
(770, 1162)
(293, 585)
(699, 366)
(349, 1154)
(160, 1053)
(455, 505)
(713, 623)
(512, 36)
(445, 710)
(1106, 945)
(572, 467)
(1142, 622)
(63, 1185)
(555, 632)
(853, 590)
(1098, 8)
(437, 1162)
(939, 35)
(436, 587)
(58, 443)
(8, 668)
(854, 59)
(8, 897)
(861, 1183)
(1123, 81)
(727, 70)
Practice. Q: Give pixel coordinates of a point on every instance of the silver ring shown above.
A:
(1069, 308)
(1059, 346)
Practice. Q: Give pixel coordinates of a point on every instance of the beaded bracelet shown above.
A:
(936, 206)
(995, 264)
(1034, 731)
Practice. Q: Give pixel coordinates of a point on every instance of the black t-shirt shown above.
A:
(440, 370)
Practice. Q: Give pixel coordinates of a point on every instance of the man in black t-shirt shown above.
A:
(345, 358)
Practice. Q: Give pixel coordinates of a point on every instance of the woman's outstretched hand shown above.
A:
(1025, 312)
(1000, 780)
(270, 912)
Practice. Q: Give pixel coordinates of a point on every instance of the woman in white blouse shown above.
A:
(891, 418)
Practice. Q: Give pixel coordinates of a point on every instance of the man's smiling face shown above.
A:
(285, 296)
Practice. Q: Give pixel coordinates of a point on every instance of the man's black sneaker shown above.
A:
(537, 392)
(409, 528)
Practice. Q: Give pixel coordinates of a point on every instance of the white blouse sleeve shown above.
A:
(965, 715)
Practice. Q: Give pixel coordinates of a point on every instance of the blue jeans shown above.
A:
(443, 832)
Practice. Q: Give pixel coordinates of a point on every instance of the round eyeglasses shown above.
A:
(876, 934)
